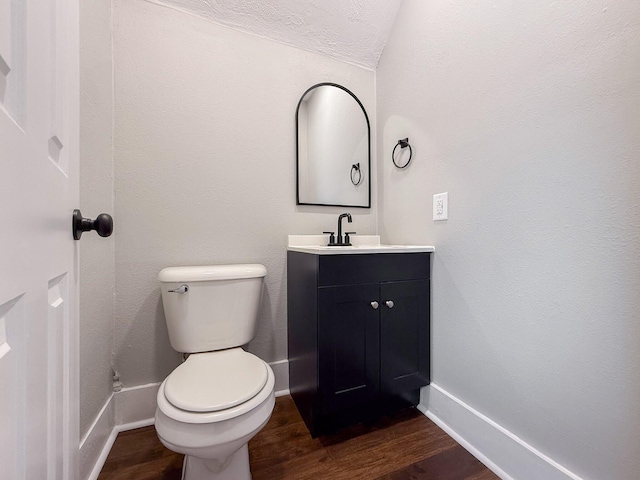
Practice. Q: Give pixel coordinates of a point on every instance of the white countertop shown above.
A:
(317, 244)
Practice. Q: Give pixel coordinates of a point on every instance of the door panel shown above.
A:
(12, 351)
(404, 336)
(38, 191)
(348, 344)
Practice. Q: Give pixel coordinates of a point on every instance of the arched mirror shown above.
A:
(333, 139)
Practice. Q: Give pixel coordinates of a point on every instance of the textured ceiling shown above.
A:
(351, 30)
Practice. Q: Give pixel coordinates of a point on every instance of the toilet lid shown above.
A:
(209, 382)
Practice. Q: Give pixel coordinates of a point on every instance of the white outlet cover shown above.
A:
(441, 206)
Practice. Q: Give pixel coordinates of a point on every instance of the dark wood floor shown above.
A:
(405, 446)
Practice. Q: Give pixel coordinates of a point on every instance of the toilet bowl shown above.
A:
(221, 396)
(215, 442)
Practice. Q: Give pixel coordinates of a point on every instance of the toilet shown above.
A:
(211, 405)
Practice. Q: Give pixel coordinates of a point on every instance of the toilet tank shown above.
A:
(218, 309)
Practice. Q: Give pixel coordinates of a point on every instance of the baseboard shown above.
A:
(127, 409)
(507, 455)
(102, 457)
(281, 372)
(136, 406)
(97, 442)
(132, 408)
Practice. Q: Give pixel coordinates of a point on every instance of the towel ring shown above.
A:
(404, 143)
(356, 173)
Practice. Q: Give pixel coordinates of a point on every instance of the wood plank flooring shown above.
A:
(404, 446)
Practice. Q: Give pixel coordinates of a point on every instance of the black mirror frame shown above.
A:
(366, 117)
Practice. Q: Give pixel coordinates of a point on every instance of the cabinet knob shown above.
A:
(389, 303)
(374, 305)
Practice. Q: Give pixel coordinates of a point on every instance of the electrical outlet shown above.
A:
(441, 206)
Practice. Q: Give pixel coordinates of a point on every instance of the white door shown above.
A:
(38, 256)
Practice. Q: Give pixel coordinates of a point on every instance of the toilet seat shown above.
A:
(226, 412)
(214, 381)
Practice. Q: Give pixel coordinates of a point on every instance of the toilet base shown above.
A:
(236, 467)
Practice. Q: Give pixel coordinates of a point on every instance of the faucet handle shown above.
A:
(332, 238)
(346, 237)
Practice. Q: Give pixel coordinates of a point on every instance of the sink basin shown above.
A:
(317, 244)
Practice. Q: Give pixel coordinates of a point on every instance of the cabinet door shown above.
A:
(404, 336)
(348, 344)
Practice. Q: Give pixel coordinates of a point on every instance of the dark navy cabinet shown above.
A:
(358, 334)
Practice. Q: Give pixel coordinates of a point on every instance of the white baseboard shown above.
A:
(135, 407)
(102, 457)
(127, 409)
(507, 455)
(96, 444)
(281, 372)
(503, 452)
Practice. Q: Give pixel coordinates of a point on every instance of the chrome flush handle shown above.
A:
(182, 289)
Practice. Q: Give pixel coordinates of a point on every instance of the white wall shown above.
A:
(97, 255)
(204, 157)
(97, 259)
(529, 116)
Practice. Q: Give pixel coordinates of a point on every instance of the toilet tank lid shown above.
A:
(211, 272)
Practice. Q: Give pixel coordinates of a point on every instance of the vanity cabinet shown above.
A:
(358, 334)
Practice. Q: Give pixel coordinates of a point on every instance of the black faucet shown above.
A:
(340, 241)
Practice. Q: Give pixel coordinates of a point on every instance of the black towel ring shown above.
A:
(404, 143)
(356, 173)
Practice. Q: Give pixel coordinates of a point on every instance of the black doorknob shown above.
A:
(103, 224)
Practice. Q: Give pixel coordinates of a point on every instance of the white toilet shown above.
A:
(221, 396)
